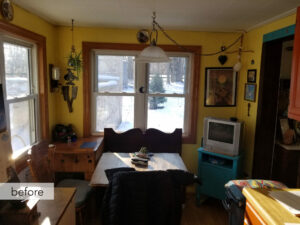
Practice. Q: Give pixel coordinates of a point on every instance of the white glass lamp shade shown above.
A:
(55, 73)
(152, 53)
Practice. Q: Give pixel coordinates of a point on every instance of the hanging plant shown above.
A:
(74, 61)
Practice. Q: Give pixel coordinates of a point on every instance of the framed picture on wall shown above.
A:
(251, 76)
(220, 87)
(250, 92)
(2, 111)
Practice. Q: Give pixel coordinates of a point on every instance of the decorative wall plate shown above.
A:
(142, 36)
(7, 10)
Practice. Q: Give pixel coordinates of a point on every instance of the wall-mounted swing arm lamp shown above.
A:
(54, 76)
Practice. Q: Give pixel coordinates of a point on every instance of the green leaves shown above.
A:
(74, 62)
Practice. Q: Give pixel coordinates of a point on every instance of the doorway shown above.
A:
(272, 102)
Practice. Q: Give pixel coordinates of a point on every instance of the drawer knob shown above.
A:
(90, 161)
(62, 160)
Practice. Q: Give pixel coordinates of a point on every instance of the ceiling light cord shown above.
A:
(207, 54)
(154, 53)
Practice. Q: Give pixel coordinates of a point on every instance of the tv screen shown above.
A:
(221, 132)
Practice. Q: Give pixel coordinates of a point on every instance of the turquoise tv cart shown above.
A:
(214, 171)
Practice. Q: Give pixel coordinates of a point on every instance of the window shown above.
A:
(114, 92)
(38, 68)
(122, 94)
(20, 79)
(168, 94)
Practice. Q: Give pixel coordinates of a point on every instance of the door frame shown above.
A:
(266, 119)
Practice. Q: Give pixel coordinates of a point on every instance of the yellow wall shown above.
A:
(33, 23)
(253, 41)
(209, 41)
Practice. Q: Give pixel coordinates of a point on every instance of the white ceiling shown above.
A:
(212, 15)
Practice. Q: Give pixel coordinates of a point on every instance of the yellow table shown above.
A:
(263, 209)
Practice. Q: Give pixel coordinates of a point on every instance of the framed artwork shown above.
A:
(250, 92)
(220, 87)
(2, 111)
(251, 76)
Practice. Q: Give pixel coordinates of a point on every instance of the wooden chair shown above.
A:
(158, 141)
(153, 196)
(129, 141)
(38, 163)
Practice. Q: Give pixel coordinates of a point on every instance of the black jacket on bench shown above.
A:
(144, 198)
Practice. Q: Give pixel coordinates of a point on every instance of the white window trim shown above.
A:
(140, 115)
(33, 89)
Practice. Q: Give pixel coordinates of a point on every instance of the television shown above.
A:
(222, 136)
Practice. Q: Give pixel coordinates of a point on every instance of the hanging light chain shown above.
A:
(156, 24)
(72, 29)
(154, 30)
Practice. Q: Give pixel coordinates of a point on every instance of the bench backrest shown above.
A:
(129, 141)
(158, 141)
(132, 140)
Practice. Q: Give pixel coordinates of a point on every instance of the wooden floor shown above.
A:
(211, 212)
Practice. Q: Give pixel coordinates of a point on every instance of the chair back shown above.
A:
(158, 141)
(38, 163)
(129, 141)
(150, 195)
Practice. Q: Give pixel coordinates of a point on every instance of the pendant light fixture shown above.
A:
(153, 53)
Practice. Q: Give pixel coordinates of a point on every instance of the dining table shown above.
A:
(110, 160)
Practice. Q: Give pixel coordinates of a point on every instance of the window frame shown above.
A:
(33, 92)
(186, 95)
(94, 94)
(87, 52)
(42, 84)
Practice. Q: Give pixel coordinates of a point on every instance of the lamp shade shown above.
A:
(152, 53)
(55, 73)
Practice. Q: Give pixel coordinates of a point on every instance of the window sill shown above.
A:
(20, 153)
(20, 158)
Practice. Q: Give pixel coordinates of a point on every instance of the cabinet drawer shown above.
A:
(252, 216)
(73, 162)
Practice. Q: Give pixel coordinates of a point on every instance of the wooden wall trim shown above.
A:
(40, 41)
(294, 106)
(87, 48)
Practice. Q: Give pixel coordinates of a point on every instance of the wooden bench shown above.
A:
(132, 140)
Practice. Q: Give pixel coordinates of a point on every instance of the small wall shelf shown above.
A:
(215, 170)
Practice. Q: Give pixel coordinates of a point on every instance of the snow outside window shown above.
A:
(19, 71)
(128, 94)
